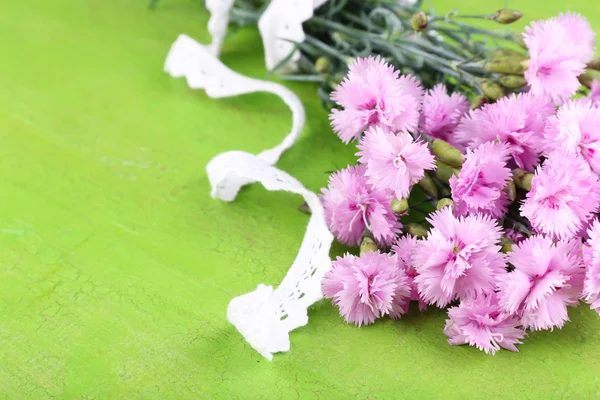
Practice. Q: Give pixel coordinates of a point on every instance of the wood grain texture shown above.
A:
(116, 266)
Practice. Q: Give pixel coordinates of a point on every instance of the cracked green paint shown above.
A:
(116, 267)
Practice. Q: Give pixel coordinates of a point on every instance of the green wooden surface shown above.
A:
(116, 266)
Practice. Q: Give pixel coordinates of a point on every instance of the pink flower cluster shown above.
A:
(516, 241)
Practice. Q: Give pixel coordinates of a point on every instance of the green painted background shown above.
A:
(116, 266)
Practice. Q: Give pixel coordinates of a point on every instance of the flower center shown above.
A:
(364, 209)
(400, 163)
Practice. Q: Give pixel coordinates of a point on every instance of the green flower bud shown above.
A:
(594, 64)
(514, 65)
(507, 16)
(511, 191)
(522, 179)
(399, 205)
(492, 89)
(504, 52)
(479, 101)
(447, 153)
(367, 245)
(322, 65)
(419, 21)
(444, 171)
(445, 202)
(340, 37)
(428, 186)
(416, 230)
(512, 81)
(506, 245)
(588, 77)
(519, 40)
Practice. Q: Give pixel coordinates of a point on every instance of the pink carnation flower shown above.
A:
(366, 287)
(394, 162)
(404, 250)
(591, 256)
(547, 278)
(459, 259)
(595, 93)
(442, 113)
(558, 48)
(480, 183)
(351, 206)
(373, 94)
(518, 121)
(580, 29)
(564, 195)
(479, 322)
(575, 128)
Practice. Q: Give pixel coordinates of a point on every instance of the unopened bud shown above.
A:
(444, 171)
(416, 230)
(419, 21)
(322, 65)
(505, 52)
(478, 102)
(512, 81)
(506, 65)
(522, 179)
(506, 244)
(594, 64)
(340, 37)
(445, 202)
(492, 89)
(367, 245)
(507, 16)
(399, 205)
(511, 191)
(589, 76)
(428, 186)
(519, 39)
(447, 153)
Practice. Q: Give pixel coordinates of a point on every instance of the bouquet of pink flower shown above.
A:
(491, 211)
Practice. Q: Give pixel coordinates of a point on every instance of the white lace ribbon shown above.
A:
(265, 316)
(280, 27)
(218, 22)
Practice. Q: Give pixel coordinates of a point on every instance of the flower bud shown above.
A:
(522, 179)
(444, 171)
(506, 244)
(511, 191)
(399, 205)
(367, 245)
(594, 64)
(519, 39)
(340, 37)
(514, 65)
(505, 52)
(419, 21)
(478, 102)
(428, 186)
(507, 16)
(512, 81)
(588, 77)
(492, 89)
(416, 230)
(322, 65)
(445, 202)
(447, 153)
